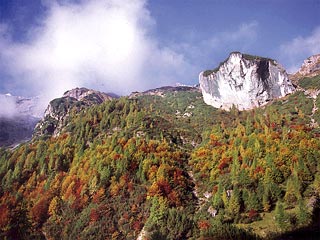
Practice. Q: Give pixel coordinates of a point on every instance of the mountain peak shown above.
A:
(310, 66)
(244, 81)
(82, 93)
(55, 117)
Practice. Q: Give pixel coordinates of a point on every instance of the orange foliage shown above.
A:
(98, 196)
(214, 141)
(153, 190)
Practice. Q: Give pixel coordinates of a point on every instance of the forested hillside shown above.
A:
(167, 166)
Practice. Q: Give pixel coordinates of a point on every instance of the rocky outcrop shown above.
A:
(310, 66)
(58, 110)
(89, 95)
(244, 81)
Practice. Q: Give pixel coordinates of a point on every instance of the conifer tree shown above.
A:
(281, 217)
(217, 200)
(234, 203)
(303, 214)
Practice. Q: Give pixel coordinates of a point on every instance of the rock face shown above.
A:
(58, 110)
(244, 81)
(310, 66)
(87, 95)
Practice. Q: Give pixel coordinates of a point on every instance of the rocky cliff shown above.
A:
(309, 69)
(310, 66)
(58, 110)
(244, 81)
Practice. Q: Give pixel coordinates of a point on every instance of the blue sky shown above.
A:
(47, 47)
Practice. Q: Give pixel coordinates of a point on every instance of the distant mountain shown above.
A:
(18, 121)
(244, 81)
(163, 90)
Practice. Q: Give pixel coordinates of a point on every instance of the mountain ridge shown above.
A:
(27, 106)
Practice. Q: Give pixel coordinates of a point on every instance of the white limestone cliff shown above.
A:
(245, 82)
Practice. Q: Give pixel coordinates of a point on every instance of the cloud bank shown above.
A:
(299, 48)
(8, 106)
(105, 45)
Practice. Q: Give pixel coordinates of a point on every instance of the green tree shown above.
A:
(253, 202)
(217, 199)
(292, 191)
(281, 217)
(233, 207)
(303, 214)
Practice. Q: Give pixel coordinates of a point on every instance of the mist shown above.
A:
(7, 106)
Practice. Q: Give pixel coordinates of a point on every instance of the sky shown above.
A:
(121, 46)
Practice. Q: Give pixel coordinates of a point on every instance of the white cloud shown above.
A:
(106, 45)
(8, 106)
(299, 48)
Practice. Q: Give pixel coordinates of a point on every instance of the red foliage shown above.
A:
(215, 189)
(39, 211)
(224, 163)
(252, 214)
(133, 165)
(94, 215)
(203, 225)
(137, 225)
(4, 215)
(164, 187)
(116, 156)
(174, 198)
(78, 188)
(77, 204)
(177, 176)
(258, 170)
